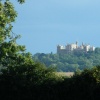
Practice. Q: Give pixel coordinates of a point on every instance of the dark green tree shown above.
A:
(15, 63)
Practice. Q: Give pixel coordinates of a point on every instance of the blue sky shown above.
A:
(43, 24)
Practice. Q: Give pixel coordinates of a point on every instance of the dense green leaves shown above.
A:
(17, 67)
(21, 1)
(70, 62)
(30, 82)
(7, 16)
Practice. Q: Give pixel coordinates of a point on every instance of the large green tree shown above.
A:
(14, 61)
(10, 51)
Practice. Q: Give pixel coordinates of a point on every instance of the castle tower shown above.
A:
(58, 48)
(76, 44)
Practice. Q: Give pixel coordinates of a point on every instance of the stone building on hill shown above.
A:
(74, 47)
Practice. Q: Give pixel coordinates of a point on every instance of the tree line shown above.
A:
(70, 62)
(83, 85)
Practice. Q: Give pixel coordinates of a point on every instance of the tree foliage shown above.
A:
(9, 49)
(15, 63)
(70, 62)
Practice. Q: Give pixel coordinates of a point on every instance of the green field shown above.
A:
(68, 74)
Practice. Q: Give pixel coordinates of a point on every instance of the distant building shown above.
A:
(74, 47)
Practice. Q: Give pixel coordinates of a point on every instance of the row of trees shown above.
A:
(83, 85)
(70, 62)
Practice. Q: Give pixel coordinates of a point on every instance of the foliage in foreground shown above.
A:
(19, 74)
(81, 86)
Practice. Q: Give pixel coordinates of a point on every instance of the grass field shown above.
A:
(68, 74)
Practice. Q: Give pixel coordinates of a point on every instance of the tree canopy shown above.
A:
(10, 51)
(15, 62)
(70, 62)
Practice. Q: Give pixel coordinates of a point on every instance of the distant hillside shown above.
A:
(70, 62)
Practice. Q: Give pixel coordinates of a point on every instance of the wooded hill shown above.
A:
(70, 62)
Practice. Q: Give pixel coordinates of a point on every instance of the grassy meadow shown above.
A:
(65, 74)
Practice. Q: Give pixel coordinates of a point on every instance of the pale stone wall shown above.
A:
(71, 47)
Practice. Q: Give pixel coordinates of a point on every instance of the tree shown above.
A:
(15, 62)
(10, 51)
(12, 56)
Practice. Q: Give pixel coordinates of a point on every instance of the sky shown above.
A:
(43, 24)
